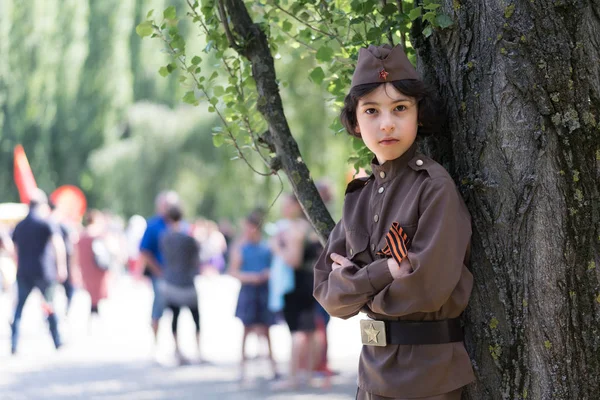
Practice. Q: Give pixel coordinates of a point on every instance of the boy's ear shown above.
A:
(357, 130)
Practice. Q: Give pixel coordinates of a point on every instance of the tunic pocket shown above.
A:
(356, 246)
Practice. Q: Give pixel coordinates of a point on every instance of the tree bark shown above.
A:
(255, 47)
(521, 85)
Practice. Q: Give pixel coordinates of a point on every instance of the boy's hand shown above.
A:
(339, 261)
(399, 271)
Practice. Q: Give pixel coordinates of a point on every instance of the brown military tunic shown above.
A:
(421, 197)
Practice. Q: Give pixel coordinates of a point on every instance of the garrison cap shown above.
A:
(380, 64)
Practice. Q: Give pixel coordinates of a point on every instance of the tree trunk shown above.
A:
(255, 48)
(521, 84)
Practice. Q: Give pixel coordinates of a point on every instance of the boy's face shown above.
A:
(251, 231)
(387, 121)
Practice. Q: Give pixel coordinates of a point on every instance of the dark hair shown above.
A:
(256, 217)
(38, 197)
(430, 116)
(174, 214)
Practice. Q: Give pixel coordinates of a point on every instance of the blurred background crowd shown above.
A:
(272, 258)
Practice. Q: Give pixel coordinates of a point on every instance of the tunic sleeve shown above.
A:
(437, 254)
(345, 291)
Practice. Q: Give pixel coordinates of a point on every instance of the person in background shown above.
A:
(151, 255)
(281, 278)
(216, 246)
(8, 268)
(58, 219)
(134, 233)
(41, 263)
(94, 260)
(181, 260)
(250, 262)
(226, 228)
(299, 247)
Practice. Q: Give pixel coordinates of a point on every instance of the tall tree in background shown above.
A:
(522, 89)
(72, 74)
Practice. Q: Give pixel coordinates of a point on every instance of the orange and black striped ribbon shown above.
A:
(397, 242)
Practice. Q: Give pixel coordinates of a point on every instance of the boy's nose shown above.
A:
(387, 125)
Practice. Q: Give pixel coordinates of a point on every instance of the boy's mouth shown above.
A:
(388, 141)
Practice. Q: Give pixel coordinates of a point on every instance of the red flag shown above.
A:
(23, 175)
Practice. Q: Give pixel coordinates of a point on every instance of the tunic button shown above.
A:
(382, 175)
(373, 247)
(351, 252)
(381, 190)
(376, 218)
(419, 163)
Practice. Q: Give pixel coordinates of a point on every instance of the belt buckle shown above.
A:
(373, 332)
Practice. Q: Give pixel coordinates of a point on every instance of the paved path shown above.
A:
(114, 360)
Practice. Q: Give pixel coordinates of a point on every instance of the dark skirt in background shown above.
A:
(252, 306)
(300, 305)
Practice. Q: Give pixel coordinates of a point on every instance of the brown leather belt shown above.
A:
(382, 333)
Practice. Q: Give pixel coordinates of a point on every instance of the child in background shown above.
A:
(250, 263)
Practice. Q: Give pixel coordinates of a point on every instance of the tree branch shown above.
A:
(402, 34)
(256, 49)
(183, 63)
(234, 45)
(329, 35)
(389, 34)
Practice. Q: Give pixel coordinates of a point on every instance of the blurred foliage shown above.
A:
(76, 83)
(84, 95)
(68, 73)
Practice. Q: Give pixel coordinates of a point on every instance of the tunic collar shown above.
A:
(392, 168)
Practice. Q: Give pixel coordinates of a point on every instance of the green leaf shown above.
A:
(190, 97)
(317, 75)
(414, 13)
(444, 21)
(214, 75)
(432, 6)
(429, 16)
(219, 91)
(163, 71)
(374, 34)
(218, 140)
(144, 29)
(389, 9)
(325, 54)
(149, 14)
(286, 26)
(427, 31)
(170, 13)
(171, 67)
(196, 60)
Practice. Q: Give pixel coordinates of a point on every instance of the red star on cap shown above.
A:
(383, 74)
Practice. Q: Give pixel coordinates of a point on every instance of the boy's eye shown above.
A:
(370, 111)
(400, 108)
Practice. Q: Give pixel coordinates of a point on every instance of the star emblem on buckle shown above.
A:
(373, 332)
